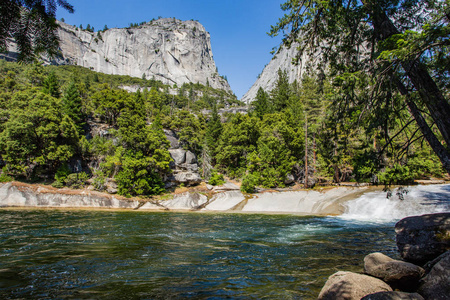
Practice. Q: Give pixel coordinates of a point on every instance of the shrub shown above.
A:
(76, 180)
(216, 178)
(249, 183)
(398, 174)
(5, 177)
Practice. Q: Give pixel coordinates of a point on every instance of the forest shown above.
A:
(295, 133)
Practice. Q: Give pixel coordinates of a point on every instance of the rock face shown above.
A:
(436, 284)
(398, 274)
(351, 286)
(184, 166)
(282, 60)
(169, 50)
(423, 238)
(22, 195)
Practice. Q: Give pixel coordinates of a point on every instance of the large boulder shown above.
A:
(393, 296)
(173, 138)
(436, 284)
(351, 286)
(190, 158)
(398, 274)
(178, 155)
(188, 178)
(423, 238)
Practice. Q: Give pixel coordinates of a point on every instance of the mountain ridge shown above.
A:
(169, 50)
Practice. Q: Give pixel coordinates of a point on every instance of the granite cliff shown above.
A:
(281, 60)
(169, 50)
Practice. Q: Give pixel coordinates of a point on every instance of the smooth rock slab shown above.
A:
(185, 201)
(393, 296)
(398, 274)
(436, 284)
(351, 286)
(423, 238)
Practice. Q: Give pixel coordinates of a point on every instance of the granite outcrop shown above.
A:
(167, 49)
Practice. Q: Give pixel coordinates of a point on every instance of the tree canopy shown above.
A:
(381, 54)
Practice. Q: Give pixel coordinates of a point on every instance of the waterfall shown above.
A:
(382, 206)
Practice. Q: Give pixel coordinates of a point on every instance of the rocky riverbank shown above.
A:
(226, 198)
(424, 272)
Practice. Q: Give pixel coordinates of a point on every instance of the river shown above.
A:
(167, 255)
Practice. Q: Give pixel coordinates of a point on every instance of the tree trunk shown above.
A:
(438, 148)
(429, 92)
(314, 155)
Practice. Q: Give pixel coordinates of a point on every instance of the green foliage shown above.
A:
(249, 182)
(37, 133)
(51, 85)
(76, 180)
(216, 178)
(4, 177)
(137, 177)
(398, 174)
(62, 173)
(238, 139)
(261, 105)
(32, 24)
(213, 131)
(72, 106)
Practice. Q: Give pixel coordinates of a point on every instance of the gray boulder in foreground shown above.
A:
(436, 284)
(351, 286)
(398, 274)
(393, 296)
(423, 238)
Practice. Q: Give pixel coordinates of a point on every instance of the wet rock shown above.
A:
(399, 274)
(351, 286)
(423, 238)
(436, 284)
(393, 296)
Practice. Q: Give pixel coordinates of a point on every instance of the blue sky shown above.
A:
(238, 28)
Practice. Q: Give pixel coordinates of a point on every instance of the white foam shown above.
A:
(419, 200)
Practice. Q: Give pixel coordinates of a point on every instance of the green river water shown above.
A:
(139, 255)
(80, 254)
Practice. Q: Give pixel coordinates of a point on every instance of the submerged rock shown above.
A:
(351, 286)
(423, 238)
(398, 274)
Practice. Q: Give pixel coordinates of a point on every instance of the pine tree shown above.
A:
(51, 85)
(73, 106)
(261, 105)
(213, 131)
(281, 93)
